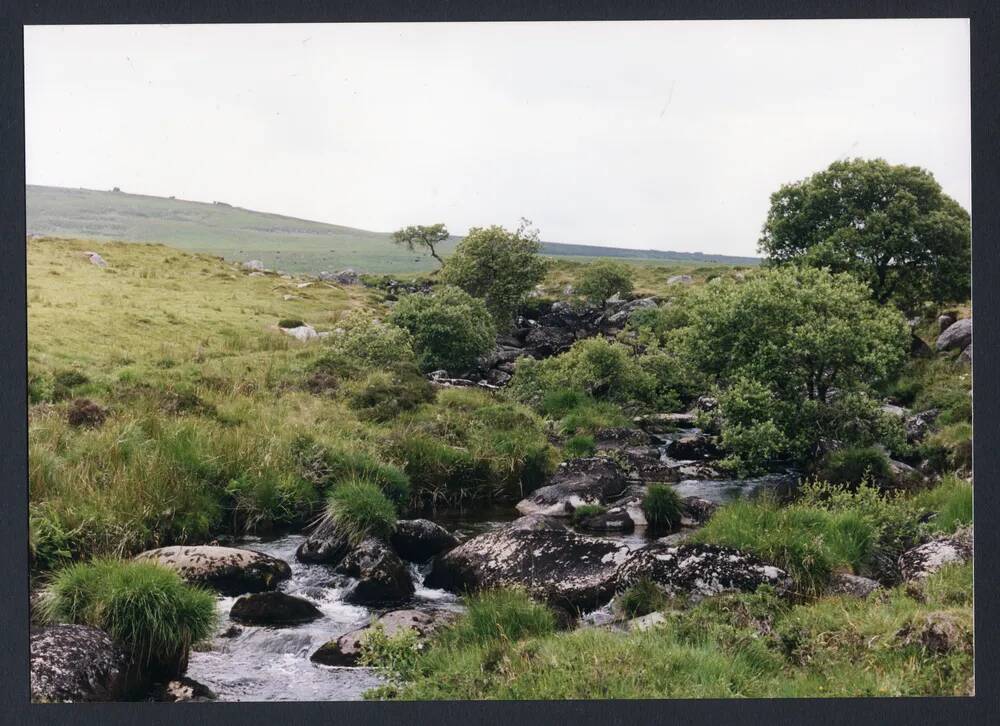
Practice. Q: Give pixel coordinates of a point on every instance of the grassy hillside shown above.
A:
(284, 243)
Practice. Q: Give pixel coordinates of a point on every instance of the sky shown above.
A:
(663, 135)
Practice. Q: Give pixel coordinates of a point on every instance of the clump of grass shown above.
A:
(851, 466)
(358, 510)
(383, 395)
(662, 506)
(502, 615)
(288, 323)
(440, 473)
(642, 598)
(585, 511)
(951, 501)
(950, 448)
(146, 607)
(579, 446)
(325, 466)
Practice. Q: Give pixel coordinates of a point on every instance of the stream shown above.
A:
(248, 663)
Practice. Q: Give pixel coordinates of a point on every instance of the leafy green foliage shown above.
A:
(662, 506)
(420, 237)
(504, 615)
(851, 466)
(578, 446)
(890, 226)
(384, 394)
(601, 280)
(360, 336)
(358, 509)
(144, 606)
(450, 328)
(497, 265)
(585, 511)
(951, 503)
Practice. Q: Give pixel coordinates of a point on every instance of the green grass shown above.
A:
(951, 501)
(662, 507)
(503, 615)
(641, 598)
(585, 511)
(578, 446)
(358, 510)
(749, 645)
(144, 606)
(851, 466)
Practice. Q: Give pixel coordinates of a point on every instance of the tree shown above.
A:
(498, 266)
(449, 327)
(419, 237)
(890, 226)
(602, 279)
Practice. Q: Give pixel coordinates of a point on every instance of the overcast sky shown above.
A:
(666, 135)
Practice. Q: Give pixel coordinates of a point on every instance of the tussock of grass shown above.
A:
(641, 598)
(142, 605)
(662, 506)
(357, 510)
(579, 446)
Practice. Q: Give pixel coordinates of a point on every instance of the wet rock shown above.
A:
(537, 523)
(229, 570)
(698, 570)
(928, 558)
(591, 480)
(844, 584)
(619, 437)
(699, 510)
(613, 520)
(383, 578)
(273, 608)
(325, 546)
(344, 651)
(693, 446)
(957, 336)
(546, 341)
(183, 690)
(418, 540)
(659, 423)
(645, 464)
(73, 663)
(562, 568)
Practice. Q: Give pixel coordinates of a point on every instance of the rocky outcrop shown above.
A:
(344, 651)
(928, 558)
(958, 336)
(273, 608)
(853, 585)
(591, 480)
(325, 546)
(918, 425)
(693, 446)
(619, 437)
(613, 520)
(904, 476)
(417, 540)
(565, 569)
(72, 663)
(698, 570)
(661, 423)
(302, 333)
(383, 578)
(183, 690)
(537, 523)
(229, 570)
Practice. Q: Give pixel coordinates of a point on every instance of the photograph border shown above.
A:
(15, 706)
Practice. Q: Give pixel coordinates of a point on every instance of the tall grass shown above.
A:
(357, 510)
(662, 507)
(144, 606)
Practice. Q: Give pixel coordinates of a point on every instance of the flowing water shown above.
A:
(248, 663)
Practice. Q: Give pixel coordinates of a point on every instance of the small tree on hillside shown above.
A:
(601, 280)
(418, 238)
(890, 226)
(498, 266)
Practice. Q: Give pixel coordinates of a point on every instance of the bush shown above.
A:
(384, 394)
(579, 446)
(851, 466)
(505, 615)
(498, 266)
(450, 328)
(362, 336)
(440, 473)
(144, 606)
(289, 323)
(662, 506)
(358, 509)
(603, 279)
(642, 598)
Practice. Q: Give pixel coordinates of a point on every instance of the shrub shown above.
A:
(851, 466)
(144, 606)
(361, 336)
(498, 266)
(358, 509)
(662, 506)
(450, 328)
(603, 279)
(289, 323)
(578, 446)
(440, 473)
(384, 394)
(506, 615)
(642, 598)
(70, 378)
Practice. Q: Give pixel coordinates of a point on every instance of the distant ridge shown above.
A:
(286, 243)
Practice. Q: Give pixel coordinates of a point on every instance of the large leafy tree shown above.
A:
(418, 238)
(890, 226)
(498, 266)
